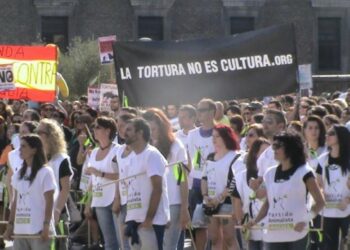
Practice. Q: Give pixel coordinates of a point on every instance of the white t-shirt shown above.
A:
(148, 163)
(123, 166)
(265, 161)
(313, 159)
(336, 190)
(85, 179)
(217, 172)
(287, 205)
(180, 134)
(240, 165)
(15, 160)
(250, 206)
(204, 145)
(175, 123)
(30, 208)
(103, 196)
(177, 153)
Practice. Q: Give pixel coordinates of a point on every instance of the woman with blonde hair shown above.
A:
(56, 152)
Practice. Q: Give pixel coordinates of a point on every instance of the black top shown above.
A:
(331, 161)
(282, 176)
(64, 171)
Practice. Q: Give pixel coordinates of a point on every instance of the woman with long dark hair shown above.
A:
(333, 176)
(216, 181)
(315, 139)
(246, 205)
(287, 187)
(103, 168)
(32, 207)
(173, 150)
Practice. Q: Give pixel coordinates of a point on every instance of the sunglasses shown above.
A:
(331, 133)
(277, 145)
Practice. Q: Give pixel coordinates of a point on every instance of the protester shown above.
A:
(274, 122)
(200, 144)
(124, 155)
(333, 176)
(315, 134)
(187, 119)
(287, 186)
(148, 205)
(103, 168)
(55, 147)
(15, 162)
(32, 208)
(216, 176)
(172, 113)
(246, 205)
(173, 150)
(220, 116)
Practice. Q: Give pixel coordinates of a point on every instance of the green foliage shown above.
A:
(80, 66)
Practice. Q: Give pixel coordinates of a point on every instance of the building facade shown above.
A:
(322, 26)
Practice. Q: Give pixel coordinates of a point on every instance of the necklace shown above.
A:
(103, 148)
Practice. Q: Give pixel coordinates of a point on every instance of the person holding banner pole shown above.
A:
(103, 168)
(217, 181)
(334, 178)
(200, 144)
(147, 202)
(56, 151)
(288, 185)
(124, 155)
(32, 207)
(173, 150)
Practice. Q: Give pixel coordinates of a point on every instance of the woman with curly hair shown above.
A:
(56, 152)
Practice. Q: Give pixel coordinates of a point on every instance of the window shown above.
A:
(329, 43)
(150, 26)
(241, 24)
(55, 30)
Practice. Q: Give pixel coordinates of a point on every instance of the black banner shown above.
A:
(253, 64)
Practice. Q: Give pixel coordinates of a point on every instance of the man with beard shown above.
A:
(147, 199)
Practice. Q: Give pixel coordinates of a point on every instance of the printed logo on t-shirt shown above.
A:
(23, 212)
(97, 190)
(134, 195)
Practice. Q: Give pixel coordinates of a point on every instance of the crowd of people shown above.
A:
(247, 174)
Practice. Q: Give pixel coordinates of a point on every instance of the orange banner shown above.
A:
(33, 75)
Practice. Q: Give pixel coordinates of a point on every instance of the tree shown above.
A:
(80, 66)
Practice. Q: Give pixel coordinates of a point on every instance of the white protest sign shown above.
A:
(93, 97)
(305, 76)
(6, 78)
(107, 91)
(106, 50)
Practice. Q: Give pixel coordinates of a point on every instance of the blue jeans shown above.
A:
(172, 233)
(109, 227)
(293, 245)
